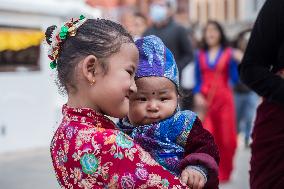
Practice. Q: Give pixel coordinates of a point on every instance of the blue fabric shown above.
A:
(212, 64)
(155, 59)
(246, 104)
(233, 71)
(197, 75)
(164, 140)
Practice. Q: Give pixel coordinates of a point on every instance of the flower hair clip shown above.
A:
(58, 36)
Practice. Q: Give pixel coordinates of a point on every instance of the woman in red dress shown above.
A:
(215, 67)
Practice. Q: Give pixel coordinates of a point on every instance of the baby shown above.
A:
(174, 138)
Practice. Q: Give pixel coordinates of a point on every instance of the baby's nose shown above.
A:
(153, 106)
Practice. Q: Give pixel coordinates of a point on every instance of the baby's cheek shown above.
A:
(136, 112)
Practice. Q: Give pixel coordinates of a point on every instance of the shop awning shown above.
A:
(18, 39)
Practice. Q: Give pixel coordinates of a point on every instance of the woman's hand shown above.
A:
(200, 101)
(200, 105)
(238, 55)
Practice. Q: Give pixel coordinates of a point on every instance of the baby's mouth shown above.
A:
(153, 119)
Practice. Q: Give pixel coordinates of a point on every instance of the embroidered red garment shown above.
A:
(88, 152)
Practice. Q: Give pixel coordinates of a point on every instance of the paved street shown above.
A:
(33, 170)
(27, 170)
(240, 177)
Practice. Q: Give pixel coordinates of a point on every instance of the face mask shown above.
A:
(158, 13)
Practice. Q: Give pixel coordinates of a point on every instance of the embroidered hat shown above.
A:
(155, 59)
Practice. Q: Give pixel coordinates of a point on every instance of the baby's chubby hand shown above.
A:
(193, 178)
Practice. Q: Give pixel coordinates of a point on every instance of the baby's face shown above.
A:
(155, 100)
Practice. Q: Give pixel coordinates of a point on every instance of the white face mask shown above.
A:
(158, 13)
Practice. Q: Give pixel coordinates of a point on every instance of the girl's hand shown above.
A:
(192, 178)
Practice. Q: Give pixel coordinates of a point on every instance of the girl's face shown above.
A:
(212, 35)
(112, 89)
(155, 100)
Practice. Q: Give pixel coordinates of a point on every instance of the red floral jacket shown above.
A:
(88, 152)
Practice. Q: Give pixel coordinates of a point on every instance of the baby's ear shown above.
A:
(90, 66)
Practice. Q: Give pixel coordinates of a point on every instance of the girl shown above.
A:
(215, 67)
(96, 61)
(176, 139)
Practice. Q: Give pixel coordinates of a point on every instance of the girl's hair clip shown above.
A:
(58, 36)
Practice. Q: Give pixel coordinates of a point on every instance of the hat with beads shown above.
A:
(156, 60)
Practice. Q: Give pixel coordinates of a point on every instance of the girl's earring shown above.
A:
(93, 82)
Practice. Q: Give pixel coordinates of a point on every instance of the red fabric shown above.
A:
(267, 164)
(87, 152)
(220, 116)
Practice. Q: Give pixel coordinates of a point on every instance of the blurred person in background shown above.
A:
(187, 74)
(245, 99)
(172, 34)
(262, 70)
(215, 68)
(127, 19)
(134, 22)
(140, 25)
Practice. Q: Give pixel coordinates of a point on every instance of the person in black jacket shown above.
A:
(261, 70)
(172, 34)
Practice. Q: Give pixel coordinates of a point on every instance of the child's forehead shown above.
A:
(129, 49)
(150, 84)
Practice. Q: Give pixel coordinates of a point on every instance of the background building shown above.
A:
(226, 11)
(29, 102)
(235, 15)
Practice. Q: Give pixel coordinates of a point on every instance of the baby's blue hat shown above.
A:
(155, 59)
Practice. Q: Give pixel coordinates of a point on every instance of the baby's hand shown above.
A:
(193, 178)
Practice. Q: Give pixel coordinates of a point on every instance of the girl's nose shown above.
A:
(133, 87)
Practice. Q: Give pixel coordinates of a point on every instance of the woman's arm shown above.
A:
(233, 71)
(197, 74)
(261, 55)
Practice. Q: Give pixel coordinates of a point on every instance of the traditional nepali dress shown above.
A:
(213, 82)
(88, 152)
(177, 142)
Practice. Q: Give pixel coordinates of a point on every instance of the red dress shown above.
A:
(88, 152)
(220, 116)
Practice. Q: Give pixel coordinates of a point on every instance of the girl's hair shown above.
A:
(223, 39)
(98, 37)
